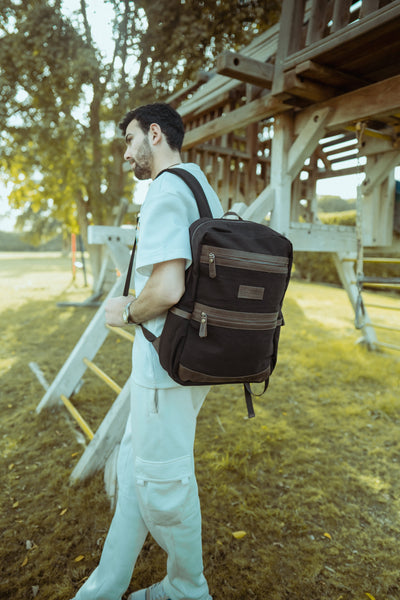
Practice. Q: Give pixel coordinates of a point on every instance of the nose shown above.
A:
(127, 154)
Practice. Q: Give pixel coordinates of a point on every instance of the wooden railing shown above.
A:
(336, 40)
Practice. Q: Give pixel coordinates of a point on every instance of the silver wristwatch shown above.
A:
(126, 315)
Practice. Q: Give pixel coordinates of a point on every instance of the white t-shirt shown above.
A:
(166, 215)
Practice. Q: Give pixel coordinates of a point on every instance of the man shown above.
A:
(157, 489)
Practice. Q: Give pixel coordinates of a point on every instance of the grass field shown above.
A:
(313, 480)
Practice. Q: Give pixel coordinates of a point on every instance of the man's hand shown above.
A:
(114, 309)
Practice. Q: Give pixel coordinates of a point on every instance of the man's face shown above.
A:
(138, 151)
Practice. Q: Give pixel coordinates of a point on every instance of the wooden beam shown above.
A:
(307, 141)
(88, 345)
(281, 180)
(332, 77)
(375, 100)
(303, 88)
(290, 37)
(380, 170)
(318, 237)
(372, 145)
(261, 206)
(223, 151)
(348, 277)
(245, 69)
(106, 437)
(241, 117)
(338, 173)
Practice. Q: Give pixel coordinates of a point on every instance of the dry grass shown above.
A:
(313, 480)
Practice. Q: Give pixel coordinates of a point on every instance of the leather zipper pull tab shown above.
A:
(203, 325)
(212, 270)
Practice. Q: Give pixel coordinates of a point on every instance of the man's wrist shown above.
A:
(127, 314)
(130, 310)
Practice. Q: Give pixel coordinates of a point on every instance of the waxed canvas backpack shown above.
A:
(226, 326)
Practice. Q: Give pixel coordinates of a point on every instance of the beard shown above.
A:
(143, 166)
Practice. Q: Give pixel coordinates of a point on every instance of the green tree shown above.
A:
(61, 96)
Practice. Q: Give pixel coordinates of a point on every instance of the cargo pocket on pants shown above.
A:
(167, 490)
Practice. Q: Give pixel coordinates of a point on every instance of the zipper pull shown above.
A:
(212, 270)
(203, 325)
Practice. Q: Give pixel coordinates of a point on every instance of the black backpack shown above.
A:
(226, 326)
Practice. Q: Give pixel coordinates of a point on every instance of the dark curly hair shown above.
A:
(164, 115)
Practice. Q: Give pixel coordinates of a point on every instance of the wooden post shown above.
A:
(290, 35)
(378, 200)
(281, 180)
(347, 274)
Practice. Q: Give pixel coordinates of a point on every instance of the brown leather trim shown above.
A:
(240, 259)
(235, 319)
(251, 292)
(186, 374)
(180, 313)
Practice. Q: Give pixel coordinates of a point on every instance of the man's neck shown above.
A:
(166, 162)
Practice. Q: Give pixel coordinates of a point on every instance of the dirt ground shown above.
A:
(313, 482)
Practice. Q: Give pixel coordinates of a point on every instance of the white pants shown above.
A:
(157, 493)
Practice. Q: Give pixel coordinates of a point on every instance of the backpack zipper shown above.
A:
(240, 259)
(212, 271)
(219, 317)
(203, 324)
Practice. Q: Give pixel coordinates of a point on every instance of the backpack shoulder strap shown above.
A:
(195, 186)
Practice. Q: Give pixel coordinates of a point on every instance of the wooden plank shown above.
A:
(106, 437)
(311, 90)
(341, 14)
(376, 100)
(290, 37)
(337, 173)
(336, 45)
(317, 237)
(261, 48)
(344, 137)
(281, 180)
(372, 145)
(342, 158)
(347, 275)
(367, 7)
(101, 234)
(245, 69)
(241, 117)
(378, 200)
(377, 173)
(332, 77)
(222, 151)
(88, 345)
(318, 21)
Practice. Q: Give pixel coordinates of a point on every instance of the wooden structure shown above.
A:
(316, 96)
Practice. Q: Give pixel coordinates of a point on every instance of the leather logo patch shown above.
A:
(250, 292)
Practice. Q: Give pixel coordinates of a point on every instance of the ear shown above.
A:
(155, 134)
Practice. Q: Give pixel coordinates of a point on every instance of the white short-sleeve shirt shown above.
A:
(166, 215)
